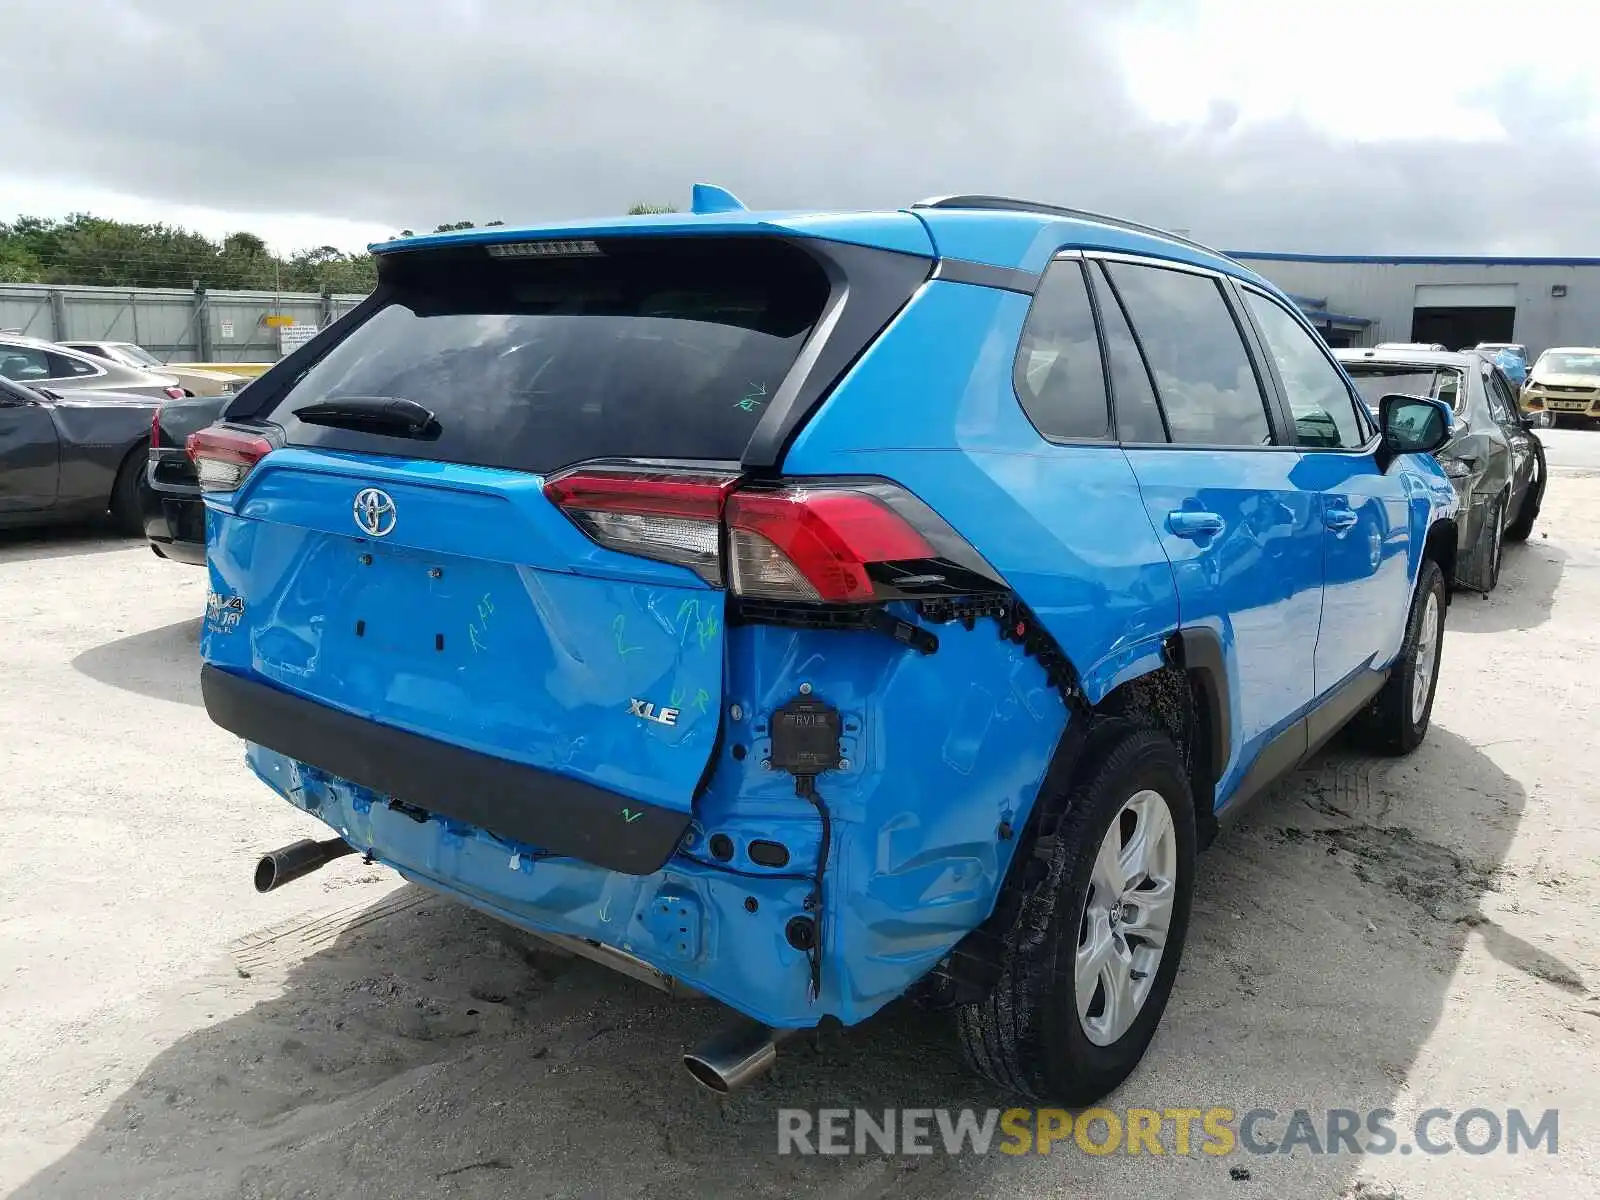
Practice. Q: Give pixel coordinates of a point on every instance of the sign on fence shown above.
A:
(292, 337)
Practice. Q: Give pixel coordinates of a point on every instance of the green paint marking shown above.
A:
(701, 699)
(619, 625)
(472, 636)
(630, 816)
(752, 400)
(708, 631)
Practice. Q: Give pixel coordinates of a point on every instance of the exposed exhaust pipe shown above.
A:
(288, 863)
(737, 1055)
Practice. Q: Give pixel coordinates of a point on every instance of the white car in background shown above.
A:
(1565, 384)
(196, 381)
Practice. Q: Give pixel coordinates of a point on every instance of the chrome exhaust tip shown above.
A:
(736, 1056)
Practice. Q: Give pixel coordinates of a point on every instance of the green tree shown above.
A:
(644, 210)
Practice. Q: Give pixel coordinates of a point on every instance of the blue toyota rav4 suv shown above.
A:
(808, 610)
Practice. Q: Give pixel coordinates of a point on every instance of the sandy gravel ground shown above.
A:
(1398, 934)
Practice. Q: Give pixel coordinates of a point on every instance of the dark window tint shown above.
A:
(1138, 415)
(1319, 399)
(62, 367)
(1202, 372)
(655, 348)
(1058, 372)
(1501, 401)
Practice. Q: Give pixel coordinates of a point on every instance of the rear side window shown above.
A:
(1059, 377)
(1138, 414)
(653, 348)
(1501, 402)
(1207, 387)
(62, 367)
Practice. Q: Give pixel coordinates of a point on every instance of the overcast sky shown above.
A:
(1355, 126)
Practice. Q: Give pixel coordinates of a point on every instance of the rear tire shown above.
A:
(1397, 719)
(1081, 990)
(126, 518)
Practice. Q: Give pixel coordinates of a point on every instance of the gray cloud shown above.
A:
(412, 114)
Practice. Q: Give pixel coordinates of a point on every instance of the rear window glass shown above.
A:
(1374, 383)
(651, 349)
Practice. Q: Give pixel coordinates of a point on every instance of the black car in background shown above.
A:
(71, 455)
(1494, 459)
(169, 492)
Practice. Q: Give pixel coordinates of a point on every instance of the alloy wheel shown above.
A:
(1126, 915)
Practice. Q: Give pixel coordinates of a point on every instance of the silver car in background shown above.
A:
(44, 365)
(194, 380)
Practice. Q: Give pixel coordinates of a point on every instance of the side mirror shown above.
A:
(1412, 425)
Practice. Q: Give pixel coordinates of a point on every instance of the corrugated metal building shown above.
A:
(1360, 300)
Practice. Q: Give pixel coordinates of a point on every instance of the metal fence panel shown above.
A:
(173, 324)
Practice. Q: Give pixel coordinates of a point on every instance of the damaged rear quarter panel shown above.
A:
(940, 753)
(931, 406)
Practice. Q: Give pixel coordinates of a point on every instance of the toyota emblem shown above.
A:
(374, 512)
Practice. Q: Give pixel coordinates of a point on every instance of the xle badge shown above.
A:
(641, 708)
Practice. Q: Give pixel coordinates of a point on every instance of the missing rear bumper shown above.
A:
(524, 804)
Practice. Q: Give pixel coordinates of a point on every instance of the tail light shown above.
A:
(834, 541)
(223, 456)
(155, 428)
(816, 545)
(175, 393)
(671, 516)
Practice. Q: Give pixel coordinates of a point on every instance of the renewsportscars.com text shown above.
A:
(1214, 1131)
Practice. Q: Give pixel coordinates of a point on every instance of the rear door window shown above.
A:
(649, 348)
(25, 364)
(1059, 376)
(1203, 374)
(1134, 396)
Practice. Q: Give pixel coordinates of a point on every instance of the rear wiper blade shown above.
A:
(392, 415)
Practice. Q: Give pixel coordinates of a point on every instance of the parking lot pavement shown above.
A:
(1399, 934)
(1572, 451)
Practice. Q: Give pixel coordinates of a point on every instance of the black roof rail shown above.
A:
(1007, 204)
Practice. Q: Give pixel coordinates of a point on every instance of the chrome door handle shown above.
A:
(1339, 518)
(1188, 523)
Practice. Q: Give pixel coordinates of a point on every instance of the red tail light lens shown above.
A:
(666, 515)
(155, 429)
(835, 541)
(224, 456)
(815, 545)
(176, 393)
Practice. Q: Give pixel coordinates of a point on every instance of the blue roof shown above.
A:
(1436, 260)
(1023, 240)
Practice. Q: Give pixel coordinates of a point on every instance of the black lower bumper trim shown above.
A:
(516, 801)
